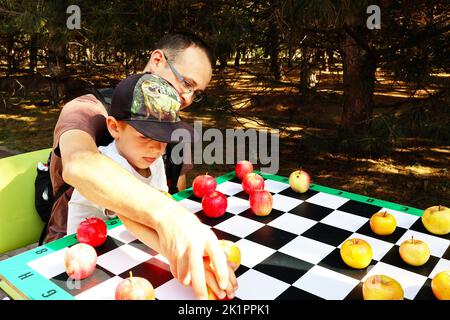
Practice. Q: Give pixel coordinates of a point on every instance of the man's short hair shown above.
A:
(174, 43)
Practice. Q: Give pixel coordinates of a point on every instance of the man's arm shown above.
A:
(181, 182)
(183, 239)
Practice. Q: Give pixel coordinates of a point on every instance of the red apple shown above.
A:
(251, 182)
(135, 288)
(214, 204)
(92, 231)
(203, 185)
(80, 261)
(261, 202)
(242, 168)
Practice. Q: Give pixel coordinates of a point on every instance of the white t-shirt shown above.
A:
(81, 208)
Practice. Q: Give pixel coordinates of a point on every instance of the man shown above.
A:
(186, 62)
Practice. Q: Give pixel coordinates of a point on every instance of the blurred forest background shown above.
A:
(363, 110)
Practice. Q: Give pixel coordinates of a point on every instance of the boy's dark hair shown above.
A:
(174, 43)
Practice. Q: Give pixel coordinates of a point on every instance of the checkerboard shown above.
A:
(293, 253)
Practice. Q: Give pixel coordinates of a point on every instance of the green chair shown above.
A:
(20, 224)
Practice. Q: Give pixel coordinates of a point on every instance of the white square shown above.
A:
(174, 290)
(239, 226)
(104, 291)
(275, 186)
(253, 253)
(411, 282)
(123, 258)
(344, 220)
(237, 205)
(229, 188)
(307, 249)
(191, 205)
(292, 223)
(50, 265)
(326, 283)
(438, 246)
(379, 247)
(254, 285)
(404, 220)
(327, 200)
(284, 203)
(442, 265)
(122, 234)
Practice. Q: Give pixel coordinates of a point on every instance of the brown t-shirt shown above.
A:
(84, 113)
(88, 114)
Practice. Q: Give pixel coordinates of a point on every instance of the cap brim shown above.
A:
(179, 131)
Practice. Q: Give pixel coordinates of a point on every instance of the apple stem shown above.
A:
(385, 214)
(439, 208)
(131, 278)
(412, 239)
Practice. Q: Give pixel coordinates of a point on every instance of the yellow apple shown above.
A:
(299, 181)
(414, 252)
(232, 251)
(441, 285)
(436, 220)
(381, 287)
(356, 253)
(383, 223)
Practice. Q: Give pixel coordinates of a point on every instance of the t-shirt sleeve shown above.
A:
(84, 113)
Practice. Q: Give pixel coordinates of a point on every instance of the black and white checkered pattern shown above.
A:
(293, 253)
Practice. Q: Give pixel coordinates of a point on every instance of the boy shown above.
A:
(144, 113)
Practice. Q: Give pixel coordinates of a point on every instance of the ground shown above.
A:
(412, 171)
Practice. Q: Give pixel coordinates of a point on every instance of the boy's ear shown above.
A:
(114, 127)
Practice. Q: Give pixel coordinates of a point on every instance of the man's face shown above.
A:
(192, 64)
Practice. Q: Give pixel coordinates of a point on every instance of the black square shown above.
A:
(418, 226)
(392, 238)
(311, 211)
(236, 180)
(213, 221)
(194, 198)
(359, 208)
(75, 287)
(154, 270)
(296, 195)
(242, 195)
(240, 271)
(143, 247)
(284, 267)
(425, 292)
(222, 235)
(393, 258)
(356, 293)
(446, 254)
(271, 237)
(293, 293)
(265, 219)
(334, 262)
(109, 245)
(327, 234)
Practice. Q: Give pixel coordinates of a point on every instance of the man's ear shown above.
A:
(156, 58)
(114, 127)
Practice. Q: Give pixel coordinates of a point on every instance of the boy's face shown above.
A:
(139, 150)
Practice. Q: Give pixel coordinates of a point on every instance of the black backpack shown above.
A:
(44, 197)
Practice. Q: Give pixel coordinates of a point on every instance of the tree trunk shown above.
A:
(33, 53)
(237, 58)
(274, 49)
(359, 67)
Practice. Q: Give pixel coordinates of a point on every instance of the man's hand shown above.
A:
(184, 240)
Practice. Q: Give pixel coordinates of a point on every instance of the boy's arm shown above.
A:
(183, 239)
